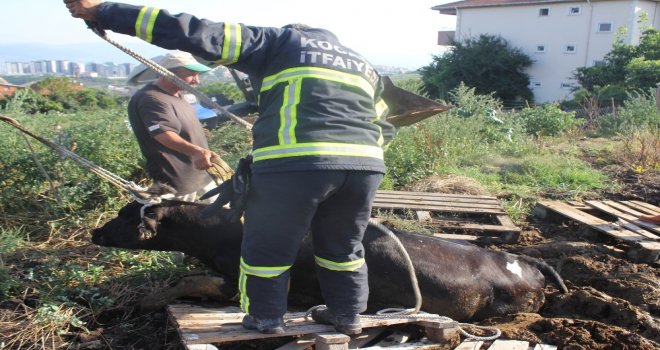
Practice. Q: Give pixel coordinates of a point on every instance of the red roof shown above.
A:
(450, 8)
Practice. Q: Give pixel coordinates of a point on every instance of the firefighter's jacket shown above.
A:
(319, 102)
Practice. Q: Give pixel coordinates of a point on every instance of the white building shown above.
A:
(558, 35)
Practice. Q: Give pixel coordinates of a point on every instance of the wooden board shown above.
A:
(643, 237)
(200, 325)
(443, 211)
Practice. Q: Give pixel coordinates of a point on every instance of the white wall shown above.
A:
(524, 28)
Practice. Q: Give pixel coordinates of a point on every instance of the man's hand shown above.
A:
(202, 158)
(85, 9)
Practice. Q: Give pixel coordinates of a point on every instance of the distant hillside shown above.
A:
(95, 52)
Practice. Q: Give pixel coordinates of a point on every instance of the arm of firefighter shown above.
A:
(387, 130)
(200, 156)
(214, 43)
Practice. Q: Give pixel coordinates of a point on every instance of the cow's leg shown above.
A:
(211, 287)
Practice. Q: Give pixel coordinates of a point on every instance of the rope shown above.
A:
(136, 190)
(172, 77)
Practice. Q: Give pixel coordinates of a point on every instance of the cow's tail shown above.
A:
(547, 271)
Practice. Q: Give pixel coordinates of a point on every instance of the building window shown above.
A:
(569, 48)
(540, 48)
(599, 63)
(604, 27)
(544, 12)
(574, 10)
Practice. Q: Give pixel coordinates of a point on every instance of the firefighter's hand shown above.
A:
(85, 9)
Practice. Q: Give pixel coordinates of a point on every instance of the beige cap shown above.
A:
(177, 59)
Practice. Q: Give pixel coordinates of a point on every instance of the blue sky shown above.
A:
(394, 33)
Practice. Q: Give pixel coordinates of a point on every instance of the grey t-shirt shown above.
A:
(152, 111)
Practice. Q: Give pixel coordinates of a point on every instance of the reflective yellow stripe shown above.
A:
(144, 25)
(317, 149)
(381, 109)
(263, 271)
(318, 73)
(339, 266)
(289, 113)
(231, 47)
(245, 300)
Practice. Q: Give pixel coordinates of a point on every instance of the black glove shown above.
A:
(234, 191)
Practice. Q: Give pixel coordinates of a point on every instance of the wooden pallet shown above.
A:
(200, 327)
(472, 213)
(503, 345)
(643, 237)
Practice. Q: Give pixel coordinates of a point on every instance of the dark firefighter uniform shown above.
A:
(318, 156)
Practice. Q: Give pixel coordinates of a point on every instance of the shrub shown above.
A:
(638, 112)
(547, 120)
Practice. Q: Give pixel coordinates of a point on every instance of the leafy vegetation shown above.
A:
(625, 68)
(487, 63)
(54, 94)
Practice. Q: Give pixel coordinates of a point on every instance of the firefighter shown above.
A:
(317, 156)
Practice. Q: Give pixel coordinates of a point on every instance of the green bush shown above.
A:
(547, 120)
(638, 112)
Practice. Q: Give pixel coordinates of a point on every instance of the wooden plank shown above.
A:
(647, 208)
(474, 227)
(221, 328)
(409, 346)
(623, 208)
(458, 237)
(418, 199)
(202, 347)
(302, 343)
(387, 193)
(630, 221)
(545, 347)
(509, 345)
(594, 222)
(442, 208)
(470, 345)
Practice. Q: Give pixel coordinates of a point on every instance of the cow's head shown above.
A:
(129, 229)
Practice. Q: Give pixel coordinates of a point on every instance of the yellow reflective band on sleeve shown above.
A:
(144, 25)
(317, 149)
(381, 109)
(263, 271)
(318, 73)
(337, 266)
(231, 47)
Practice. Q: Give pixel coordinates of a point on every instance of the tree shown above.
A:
(627, 66)
(487, 63)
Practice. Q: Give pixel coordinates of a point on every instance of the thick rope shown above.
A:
(172, 77)
(129, 186)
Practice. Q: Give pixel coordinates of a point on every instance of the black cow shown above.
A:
(460, 281)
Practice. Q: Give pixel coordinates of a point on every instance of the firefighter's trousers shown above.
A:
(334, 206)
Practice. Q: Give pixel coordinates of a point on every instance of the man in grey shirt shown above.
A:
(170, 136)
